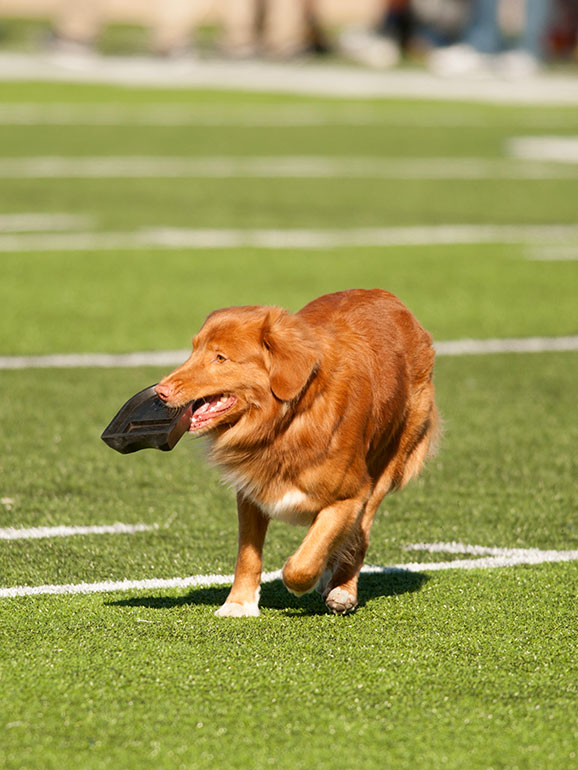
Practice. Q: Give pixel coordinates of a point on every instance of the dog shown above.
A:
(313, 417)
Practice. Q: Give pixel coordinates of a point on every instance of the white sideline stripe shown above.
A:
(279, 167)
(463, 347)
(19, 223)
(505, 557)
(552, 149)
(34, 533)
(183, 238)
(338, 81)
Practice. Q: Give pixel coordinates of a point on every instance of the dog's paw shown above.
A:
(340, 601)
(234, 610)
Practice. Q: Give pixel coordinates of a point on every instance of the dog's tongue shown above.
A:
(211, 407)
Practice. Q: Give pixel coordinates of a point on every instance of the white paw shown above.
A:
(234, 610)
(340, 601)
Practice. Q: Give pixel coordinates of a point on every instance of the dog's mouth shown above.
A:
(205, 411)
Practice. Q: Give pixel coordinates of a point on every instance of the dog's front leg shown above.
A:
(243, 599)
(331, 528)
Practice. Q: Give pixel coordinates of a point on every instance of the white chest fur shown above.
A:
(291, 507)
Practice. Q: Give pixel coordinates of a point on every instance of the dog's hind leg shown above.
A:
(243, 599)
(340, 594)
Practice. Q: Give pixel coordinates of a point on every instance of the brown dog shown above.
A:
(314, 417)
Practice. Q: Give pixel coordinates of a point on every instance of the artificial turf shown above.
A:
(148, 300)
(445, 669)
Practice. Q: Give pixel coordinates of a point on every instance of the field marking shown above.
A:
(95, 360)
(246, 115)
(502, 557)
(551, 149)
(185, 238)
(470, 347)
(254, 115)
(35, 533)
(464, 347)
(553, 253)
(334, 81)
(455, 547)
(277, 167)
(40, 222)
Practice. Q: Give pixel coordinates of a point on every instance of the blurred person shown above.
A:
(77, 26)
(280, 29)
(484, 48)
(173, 24)
(563, 32)
(442, 22)
(79, 23)
(403, 26)
(378, 42)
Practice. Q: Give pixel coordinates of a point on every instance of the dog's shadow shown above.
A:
(274, 595)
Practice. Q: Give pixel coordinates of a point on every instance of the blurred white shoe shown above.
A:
(367, 47)
(460, 61)
(517, 64)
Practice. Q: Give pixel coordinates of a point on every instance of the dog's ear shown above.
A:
(293, 353)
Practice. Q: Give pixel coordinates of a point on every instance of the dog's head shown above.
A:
(244, 360)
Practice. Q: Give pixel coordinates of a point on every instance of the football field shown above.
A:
(126, 216)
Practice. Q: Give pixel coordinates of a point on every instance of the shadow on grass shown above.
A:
(274, 595)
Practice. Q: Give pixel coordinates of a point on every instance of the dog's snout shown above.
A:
(163, 391)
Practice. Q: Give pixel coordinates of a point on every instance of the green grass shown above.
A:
(448, 669)
(67, 302)
(445, 676)
(292, 203)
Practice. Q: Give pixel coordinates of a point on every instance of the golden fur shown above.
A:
(313, 417)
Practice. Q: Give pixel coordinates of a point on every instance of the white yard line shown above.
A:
(255, 115)
(454, 547)
(83, 241)
(553, 253)
(279, 167)
(464, 347)
(40, 222)
(95, 360)
(504, 557)
(35, 533)
(183, 238)
(468, 347)
(245, 115)
(551, 149)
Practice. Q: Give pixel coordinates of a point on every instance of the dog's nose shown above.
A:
(163, 391)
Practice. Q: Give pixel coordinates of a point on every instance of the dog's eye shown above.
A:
(220, 358)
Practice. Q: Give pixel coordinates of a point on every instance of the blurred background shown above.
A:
(452, 37)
